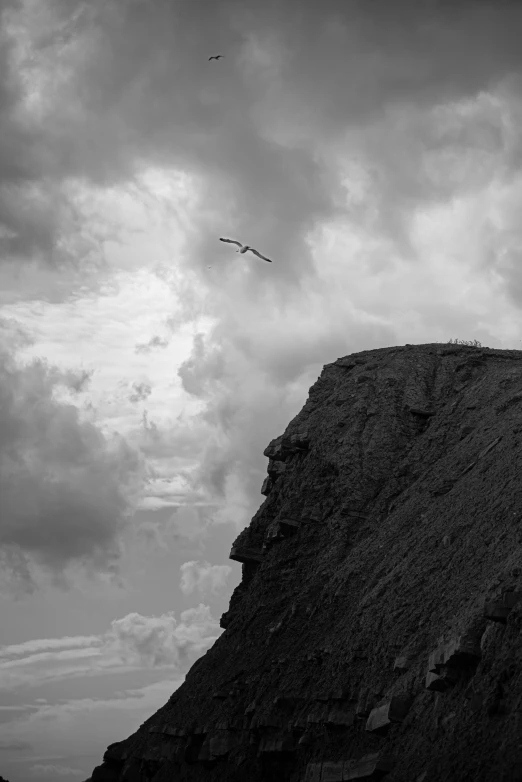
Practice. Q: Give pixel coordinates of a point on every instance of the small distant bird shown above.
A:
(244, 247)
(216, 57)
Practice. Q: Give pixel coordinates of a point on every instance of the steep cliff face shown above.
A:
(377, 629)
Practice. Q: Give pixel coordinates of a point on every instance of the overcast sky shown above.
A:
(372, 149)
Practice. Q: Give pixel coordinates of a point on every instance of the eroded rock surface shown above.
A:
(377, 629)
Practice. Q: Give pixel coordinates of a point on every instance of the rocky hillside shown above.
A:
(377, 629)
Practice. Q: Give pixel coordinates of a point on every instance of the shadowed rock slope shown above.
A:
(377, 630)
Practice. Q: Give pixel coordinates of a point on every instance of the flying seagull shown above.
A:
(244, 247)
(216, 57)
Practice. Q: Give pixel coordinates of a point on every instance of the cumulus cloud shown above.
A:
(133, 642)
(156, 641)
(203, 577)
(74, 380)
(67, 490)
(346, 139)
(205, 364)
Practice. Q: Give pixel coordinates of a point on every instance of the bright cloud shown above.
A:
(156, 641)
(133, 642)
(203, 577)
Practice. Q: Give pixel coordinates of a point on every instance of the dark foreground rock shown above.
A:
(377, 628)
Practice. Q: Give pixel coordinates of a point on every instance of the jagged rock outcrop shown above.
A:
(377, 628)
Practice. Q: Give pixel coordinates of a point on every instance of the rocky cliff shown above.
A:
(377, 628)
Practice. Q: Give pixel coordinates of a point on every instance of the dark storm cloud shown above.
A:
(132, 86)
(66, 491)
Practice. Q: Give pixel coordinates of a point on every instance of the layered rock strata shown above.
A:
(376, 631)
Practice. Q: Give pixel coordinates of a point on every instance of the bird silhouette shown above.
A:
(216, 57)
(244, 247)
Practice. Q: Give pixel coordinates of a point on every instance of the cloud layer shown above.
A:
(132, 643)
(85, 95)
(372, 152)
(74, 733)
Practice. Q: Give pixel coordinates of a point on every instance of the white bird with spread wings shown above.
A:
(244, 247)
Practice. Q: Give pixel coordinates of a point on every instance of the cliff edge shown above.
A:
(377, 628)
